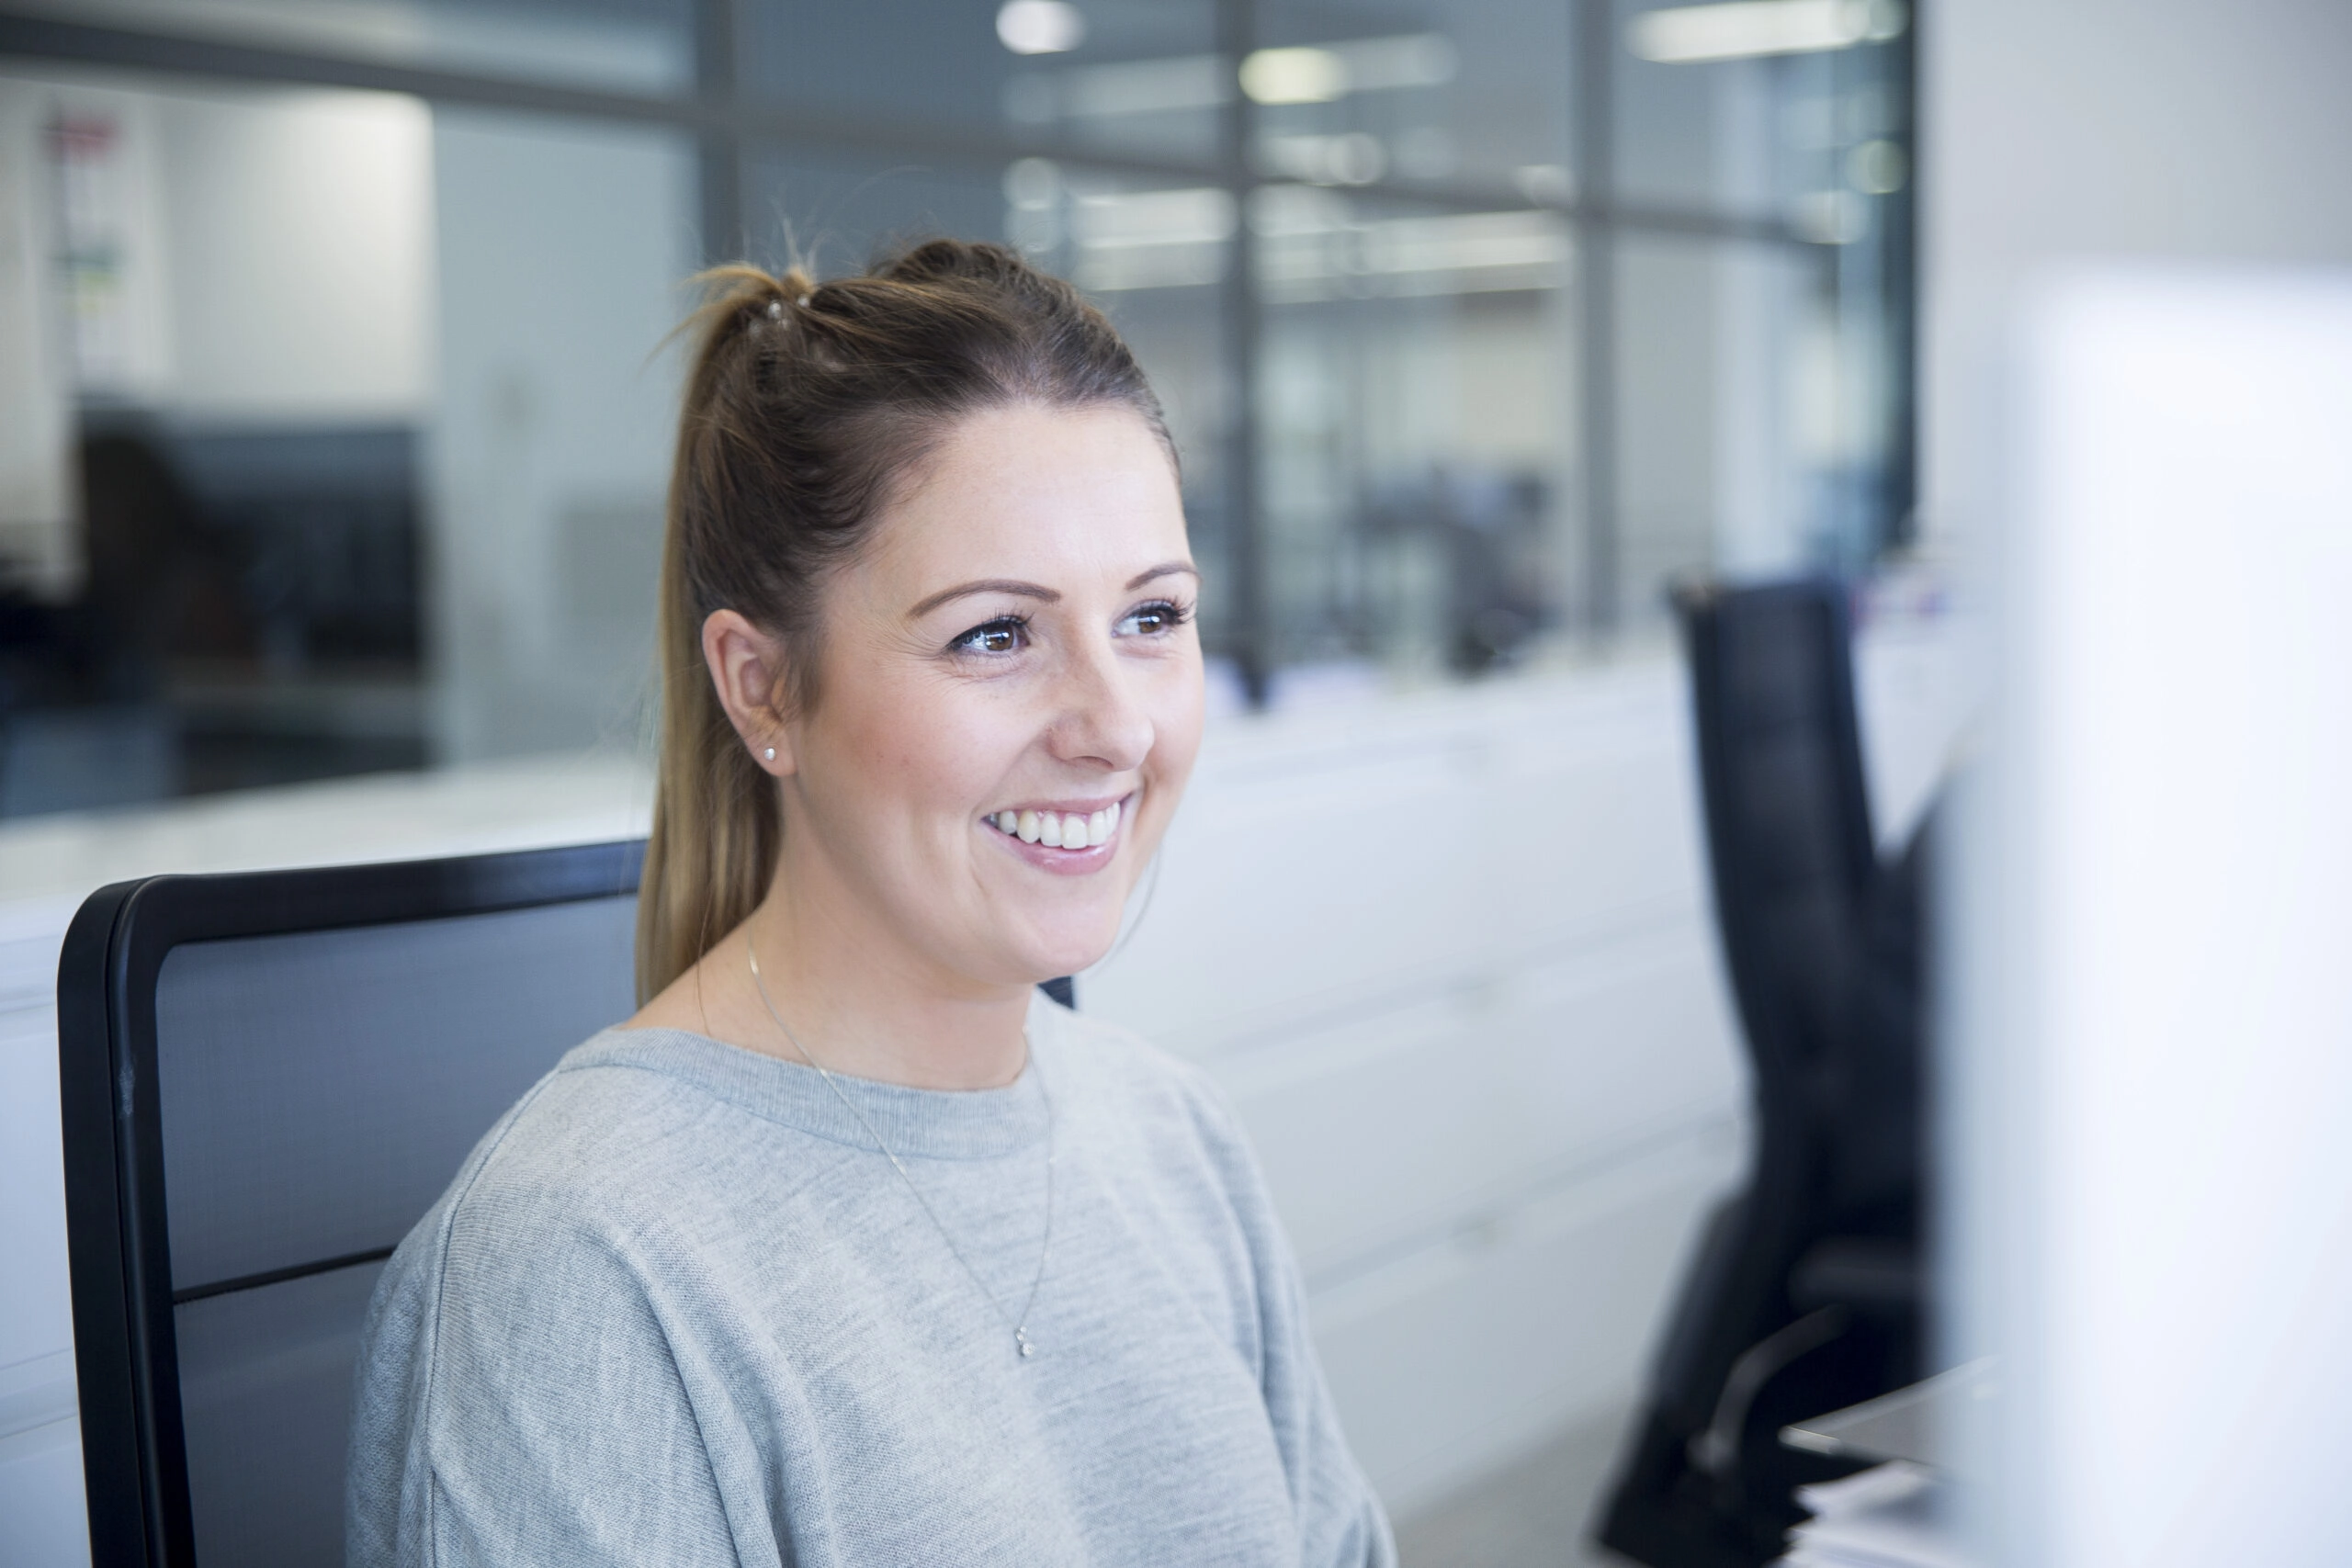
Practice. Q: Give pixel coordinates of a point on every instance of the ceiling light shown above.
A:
(1877, 168)
(1039, 27)
(1743, 29)
(1293, 76)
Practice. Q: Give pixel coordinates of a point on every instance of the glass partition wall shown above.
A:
(339, 403)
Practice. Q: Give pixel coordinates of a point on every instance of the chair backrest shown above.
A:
(265, 1080)
(1788, 814)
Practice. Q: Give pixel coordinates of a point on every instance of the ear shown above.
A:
(747, 668)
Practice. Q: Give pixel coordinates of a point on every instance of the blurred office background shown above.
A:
(334, 404)
(339, 417)
(337, 407)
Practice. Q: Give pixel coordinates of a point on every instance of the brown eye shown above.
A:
(1008, 634)
(1152, 620)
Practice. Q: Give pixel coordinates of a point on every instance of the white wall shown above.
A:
(278, 263)
(36, 397)
(562, 257)
(299, 227)
(2115, 129)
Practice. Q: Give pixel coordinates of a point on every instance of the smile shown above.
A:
(1059, 829)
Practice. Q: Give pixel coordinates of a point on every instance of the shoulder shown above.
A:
(1113, 1064)
(601, 1132)
(606, 1158)
(1158, 1108)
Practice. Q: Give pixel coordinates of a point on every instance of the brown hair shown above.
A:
(804, 403)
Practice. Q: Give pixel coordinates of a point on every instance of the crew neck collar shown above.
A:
(918, 1123)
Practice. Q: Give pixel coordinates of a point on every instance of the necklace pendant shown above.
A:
(1020, 1337)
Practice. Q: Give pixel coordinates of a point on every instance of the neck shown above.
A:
(848, 994)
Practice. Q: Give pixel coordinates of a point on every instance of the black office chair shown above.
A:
(266, 1079)
(1805, 1294)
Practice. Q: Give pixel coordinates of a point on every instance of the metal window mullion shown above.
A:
(719, 35)
(1596, 278)
(1244, 347)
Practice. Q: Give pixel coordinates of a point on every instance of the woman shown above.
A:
(849, 1248)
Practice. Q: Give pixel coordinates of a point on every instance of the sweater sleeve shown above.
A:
(1340, 1521)
(521, 1405)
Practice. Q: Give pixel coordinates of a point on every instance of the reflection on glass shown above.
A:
(1155, 258)
(637, 45)
(1761, 107)
(836, 213)
(1139, 80)
(1150, 91)
(210, 509)
(1752, 439)
(562, 252)
(1415, 428)
(425, 528)
(1474, 92)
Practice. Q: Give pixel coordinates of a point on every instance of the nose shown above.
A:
(1101, 721)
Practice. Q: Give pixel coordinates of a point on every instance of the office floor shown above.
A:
(1531, 1514)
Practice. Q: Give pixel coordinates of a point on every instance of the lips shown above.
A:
(1059, 829)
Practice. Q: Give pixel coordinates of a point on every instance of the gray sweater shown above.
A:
(677, 1310)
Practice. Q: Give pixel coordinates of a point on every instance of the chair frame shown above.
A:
(1663, 1506)
(134, 1459)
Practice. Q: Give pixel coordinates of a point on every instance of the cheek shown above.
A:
(1178, 715)
(927, 754)
(1180, 707)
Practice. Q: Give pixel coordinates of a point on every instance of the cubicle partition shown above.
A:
(265, 1080)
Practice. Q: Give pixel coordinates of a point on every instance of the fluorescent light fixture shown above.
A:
(1319, 74)
(1352, 159)
(1546, 182)
(1293, 76)
(1829, 217)
(1744, 29)
(1877, 168)
(1039, 27)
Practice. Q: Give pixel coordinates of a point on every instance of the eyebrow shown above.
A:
(1038, 591)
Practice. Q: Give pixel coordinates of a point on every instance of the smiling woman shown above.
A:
(848, 1247)
(1014, 638)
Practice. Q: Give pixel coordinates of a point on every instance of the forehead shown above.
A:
(1023, 490)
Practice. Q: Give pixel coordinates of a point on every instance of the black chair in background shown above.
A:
(1804, 1293)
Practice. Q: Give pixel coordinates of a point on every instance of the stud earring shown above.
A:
(769, 753)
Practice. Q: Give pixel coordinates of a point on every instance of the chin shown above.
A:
(1066, 946)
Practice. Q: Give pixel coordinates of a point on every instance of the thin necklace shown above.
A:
(1020, 1326)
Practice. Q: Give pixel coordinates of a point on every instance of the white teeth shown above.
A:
(1073, 830)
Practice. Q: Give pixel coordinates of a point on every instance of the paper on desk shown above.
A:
(1891, 1516)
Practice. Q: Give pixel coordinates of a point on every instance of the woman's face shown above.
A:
(1009, 697)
